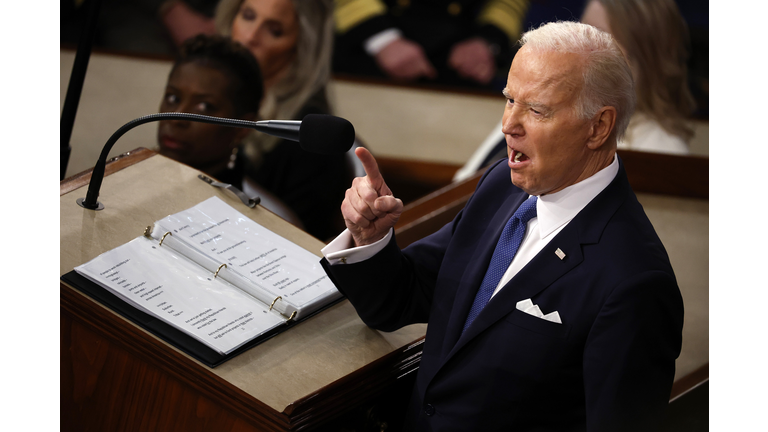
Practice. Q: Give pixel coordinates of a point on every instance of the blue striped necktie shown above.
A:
(502, 257)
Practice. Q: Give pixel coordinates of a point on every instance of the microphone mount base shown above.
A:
(97, 207)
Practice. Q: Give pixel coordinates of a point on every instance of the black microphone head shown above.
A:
(326, 134)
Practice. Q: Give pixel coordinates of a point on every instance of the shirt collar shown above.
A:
(557, 209)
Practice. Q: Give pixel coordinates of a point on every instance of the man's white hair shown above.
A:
(607, 75)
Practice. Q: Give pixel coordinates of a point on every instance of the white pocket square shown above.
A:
(528, 307)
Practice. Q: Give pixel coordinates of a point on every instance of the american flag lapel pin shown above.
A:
(560, 254)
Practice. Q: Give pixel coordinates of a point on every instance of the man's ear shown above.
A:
(603, 124)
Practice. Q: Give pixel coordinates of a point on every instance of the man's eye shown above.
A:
(536, 111)
(171, 98)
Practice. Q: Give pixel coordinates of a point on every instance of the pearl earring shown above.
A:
(232, 159)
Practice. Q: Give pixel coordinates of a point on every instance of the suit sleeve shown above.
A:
(629, 357)
(394, 288)
(501, 21)
(498, 21)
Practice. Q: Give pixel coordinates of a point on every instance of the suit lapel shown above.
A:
(537, 275)
(543, 270)
(470, 282)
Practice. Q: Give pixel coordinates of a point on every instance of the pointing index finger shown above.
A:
(372, 171)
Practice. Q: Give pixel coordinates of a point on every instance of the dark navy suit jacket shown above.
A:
(608, 367)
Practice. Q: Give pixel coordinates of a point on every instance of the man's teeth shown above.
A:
(518, 155)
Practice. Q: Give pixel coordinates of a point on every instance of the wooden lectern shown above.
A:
(115, 376)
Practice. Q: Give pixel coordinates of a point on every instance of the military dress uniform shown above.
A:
(436, 25)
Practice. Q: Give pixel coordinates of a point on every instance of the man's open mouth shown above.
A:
(519, 156)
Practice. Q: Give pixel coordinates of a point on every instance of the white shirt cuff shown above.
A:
(377, 42)
(339, 252)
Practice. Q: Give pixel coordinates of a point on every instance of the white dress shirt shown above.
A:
(553, 211)
(374, 44)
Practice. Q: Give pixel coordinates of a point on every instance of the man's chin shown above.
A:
(525, 185)
(518, 181)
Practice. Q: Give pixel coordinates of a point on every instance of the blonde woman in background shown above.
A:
(293, 42)
(654, 37)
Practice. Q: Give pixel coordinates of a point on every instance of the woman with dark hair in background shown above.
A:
(217, 77)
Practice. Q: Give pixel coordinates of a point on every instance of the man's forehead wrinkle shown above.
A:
(545, 79)
(531, 93)
(558, 86)
(540, 61)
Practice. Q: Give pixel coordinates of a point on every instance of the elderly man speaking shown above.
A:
(550, 300)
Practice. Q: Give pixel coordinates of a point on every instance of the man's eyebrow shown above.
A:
(536, 105)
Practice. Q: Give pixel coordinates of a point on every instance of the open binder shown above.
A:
(209, 281)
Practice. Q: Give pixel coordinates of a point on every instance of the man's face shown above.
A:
(546, 140)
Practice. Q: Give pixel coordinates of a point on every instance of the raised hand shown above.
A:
(369, 209)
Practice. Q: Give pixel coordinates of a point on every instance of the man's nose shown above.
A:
(510, 122)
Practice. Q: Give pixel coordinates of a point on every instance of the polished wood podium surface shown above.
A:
(116, 376)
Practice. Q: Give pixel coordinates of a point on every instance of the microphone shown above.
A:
(317, 133)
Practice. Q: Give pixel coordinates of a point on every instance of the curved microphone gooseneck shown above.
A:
(317, 133)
